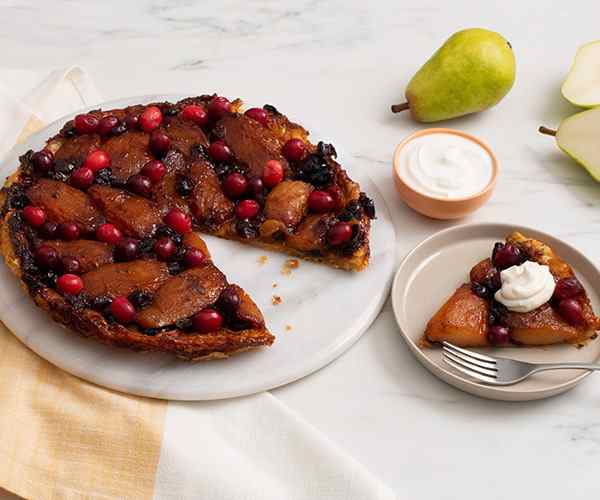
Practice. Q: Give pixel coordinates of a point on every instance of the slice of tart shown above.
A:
(524, 294)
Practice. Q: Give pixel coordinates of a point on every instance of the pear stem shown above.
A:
(397, 108)
(546, 130)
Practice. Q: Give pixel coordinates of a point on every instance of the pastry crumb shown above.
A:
(288, 328)
(289, 265)
(276, 300)
(262, 260)
(275, 285)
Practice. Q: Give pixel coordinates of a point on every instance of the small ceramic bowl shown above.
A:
(442, 208)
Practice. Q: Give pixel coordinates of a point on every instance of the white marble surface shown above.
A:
(342, 63)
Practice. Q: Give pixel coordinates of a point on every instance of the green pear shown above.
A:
(472, 71)
(577, 136)
(582, 85)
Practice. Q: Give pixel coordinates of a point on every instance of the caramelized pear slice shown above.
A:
(125, 277)
(288, 202)
(90, 254)
(182, 296)
(183, 136)
(128, 153)
(64, 203)
(134, 215)
(77, 148)
(209, 205)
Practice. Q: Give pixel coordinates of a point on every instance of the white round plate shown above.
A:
(323, 312)
(431, 272)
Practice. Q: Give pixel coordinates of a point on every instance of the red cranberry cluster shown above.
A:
(505, 256)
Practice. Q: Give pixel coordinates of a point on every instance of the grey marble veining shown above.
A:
(337, 66)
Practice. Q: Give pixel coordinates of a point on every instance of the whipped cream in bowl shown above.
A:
(525, 287)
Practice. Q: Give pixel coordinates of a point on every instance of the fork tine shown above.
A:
(470, 360)
(471, 366)
(483, 378)
(472, 354)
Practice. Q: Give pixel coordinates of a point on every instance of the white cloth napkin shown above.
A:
(244, 448)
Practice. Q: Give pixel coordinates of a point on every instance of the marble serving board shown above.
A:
(321, 313)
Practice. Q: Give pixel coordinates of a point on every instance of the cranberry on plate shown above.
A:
(321, 202)
(219, 151)
(195, 113)
(567, 288)
(155, 170)
(218, 107)
(246, 209)
(498, 335)
(272, 173)
(126, 249)
(97, 160)
(505, 256)
(339, 233)
(122, 310)
(571, 311)
(132, 122)
(160, 143)
(206, 321)
(69, 231)
(293, 150)
(194, 257)
(151, 118)
(70, 265)
(70, 283)
(48, 230)
(140, 184)
(109, 233)
(106, 124)
(86, 123)
(43, 161)
(82, 177)
(35, 216)
(178, 221)
(165, 248)
(235, 185)
(259, 115)
(46, 256)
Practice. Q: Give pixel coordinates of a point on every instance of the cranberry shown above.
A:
(106, 124)
(97, 160)
(218, 107)
(132, 121)
(82, 178)
(493, 280)
(272, 173)
(506, 256)
(43, 161)
(338, 197)
(567, 288)
(219, 151)
(151, 118)
(235, 185)
(178, 221)
(70, 265)
(339, 233)
(321, 202)
(571, 311)
(108, 233)
(48, 230)
(86, 124)
(46, 256)
(70, 283)
(207, 320)
(196, 114)
(165, 248)
(35, 216)
(246, 209)
(155, 170)
(69, 231)
(258, 114)
(229, 301)
(126, 249)
(194, 257)
(160, 143)
(293, 150)
(122, 310)
(498, 335)
(140, 184)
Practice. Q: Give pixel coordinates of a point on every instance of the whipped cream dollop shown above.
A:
(525, 287)
(446, 166)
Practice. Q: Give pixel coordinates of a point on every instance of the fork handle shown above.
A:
(565, 366)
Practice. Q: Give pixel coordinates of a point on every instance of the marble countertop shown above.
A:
(339, 65)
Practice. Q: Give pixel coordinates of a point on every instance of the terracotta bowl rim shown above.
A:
(443, 130)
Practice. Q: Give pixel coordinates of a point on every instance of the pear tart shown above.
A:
(102, 225)
(473, 316)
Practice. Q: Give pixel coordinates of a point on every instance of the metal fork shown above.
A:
(500, 371)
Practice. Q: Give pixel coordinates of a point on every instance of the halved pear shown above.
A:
(582, 86)
(578, 136)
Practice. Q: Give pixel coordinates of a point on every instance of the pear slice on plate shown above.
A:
(582, 86)
(578, 136)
